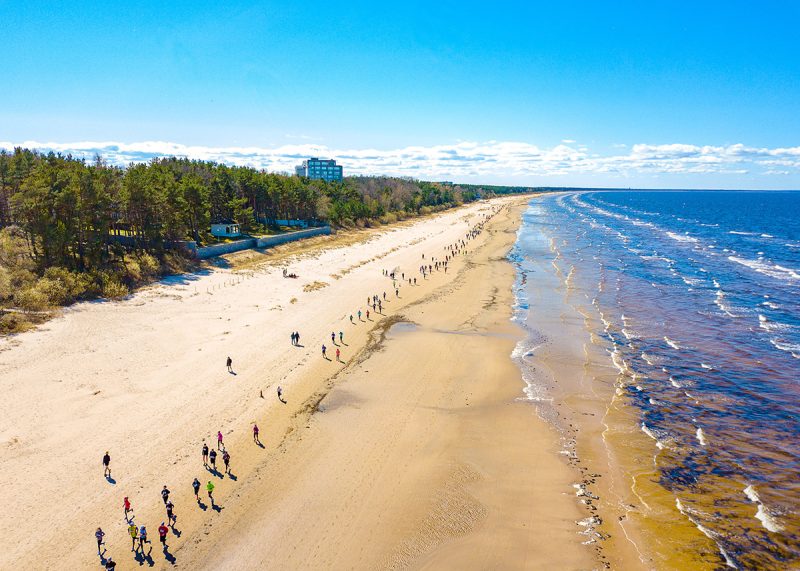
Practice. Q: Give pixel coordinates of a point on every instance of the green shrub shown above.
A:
(5, 284)
(76, 285)
(31, 299)
(149, 265)
(113, 288)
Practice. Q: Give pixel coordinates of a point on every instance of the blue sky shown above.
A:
(655, 94)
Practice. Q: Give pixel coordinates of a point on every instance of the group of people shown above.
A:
(139, 534)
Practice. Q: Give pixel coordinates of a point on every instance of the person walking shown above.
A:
(297, 338)
(163, 530)
(196, 488)
(106, 465)
(165, 494)
(99, 535)
(226, 458)
(337, 354)
(205, 453)
(292, 336)
(126, 505)
(341, 333)
(325, 350)
(280, 394)
(229, 364)
(220, 446)
(333, 338)
(110, 564)
(214, 460)
(359, 315)
(134, 533)
(255, 432)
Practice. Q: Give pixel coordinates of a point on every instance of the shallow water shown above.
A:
(695, 298)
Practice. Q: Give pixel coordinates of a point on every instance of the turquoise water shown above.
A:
(699, 297)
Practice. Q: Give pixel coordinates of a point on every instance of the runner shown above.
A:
(163, 530)
(210, 488)
(220, 446)
(325, 349)
(255, 432)
(341, 333)
(110, 564)
(165, 494)
(368, 314)
(337, 353)
(229, 363)
(106, 465)
(333, 337)
(99, 534)
(351, 318)
(359, 315)
(142, 537)
(227, 459)
(171, 517)
(126, 504)
(280, 394)
(196, 488)
(214, 460)
(205, 453)
(134, 533)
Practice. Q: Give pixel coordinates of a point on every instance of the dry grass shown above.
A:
(313, 286)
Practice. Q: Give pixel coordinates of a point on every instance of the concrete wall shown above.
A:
(268, 241)
(265, 242)
(219, 249)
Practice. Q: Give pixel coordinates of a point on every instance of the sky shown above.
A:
(623, 94)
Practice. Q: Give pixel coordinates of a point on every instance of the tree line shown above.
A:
(71, 228)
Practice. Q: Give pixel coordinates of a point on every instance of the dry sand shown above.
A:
(413, 452)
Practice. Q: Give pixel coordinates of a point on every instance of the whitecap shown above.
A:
(672, 343)
(701, 437)
(772, 270)
(682, 237)
(762, 513)
(793, 348)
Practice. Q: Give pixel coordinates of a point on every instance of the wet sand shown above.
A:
(413, 452)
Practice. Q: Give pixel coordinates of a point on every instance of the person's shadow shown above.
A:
(258, 443)
(175, 530)
(201, 505)
(327, 358)
(298, 345)
(217, 508)
(232, 372)
(232, 476)
(169, 556)
(111, 480)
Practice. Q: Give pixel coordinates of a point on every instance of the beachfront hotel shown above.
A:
(325, 169)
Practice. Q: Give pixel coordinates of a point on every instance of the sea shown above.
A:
(695, 301)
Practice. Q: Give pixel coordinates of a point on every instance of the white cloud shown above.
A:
(568, 141)
(464, 159)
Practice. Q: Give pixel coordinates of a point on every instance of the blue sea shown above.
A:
(698, 297)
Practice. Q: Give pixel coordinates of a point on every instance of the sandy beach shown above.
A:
(414, 451)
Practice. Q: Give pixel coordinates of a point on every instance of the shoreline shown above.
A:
(577, 383)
